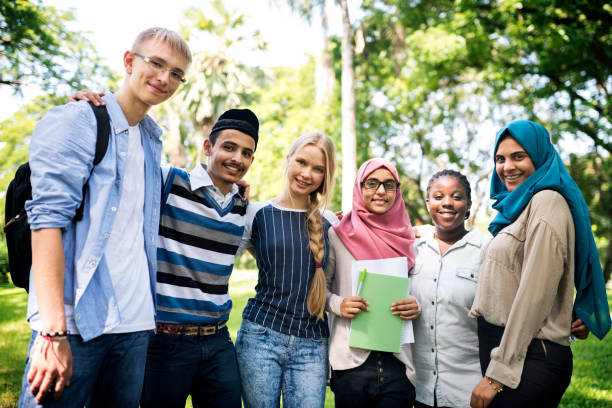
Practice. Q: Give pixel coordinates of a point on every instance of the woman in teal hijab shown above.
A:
(542, 246)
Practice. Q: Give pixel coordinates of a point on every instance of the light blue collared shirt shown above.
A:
(61, 159)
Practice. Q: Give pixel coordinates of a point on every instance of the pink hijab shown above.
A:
(377, 236)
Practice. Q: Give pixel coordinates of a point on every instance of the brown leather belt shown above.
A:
(190, 329)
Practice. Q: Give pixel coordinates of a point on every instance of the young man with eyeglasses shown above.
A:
(91, 305)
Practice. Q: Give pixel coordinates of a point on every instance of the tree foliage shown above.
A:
(37, 48)
(287, 109)
(217, 80)
(437, 79)
(593, 173)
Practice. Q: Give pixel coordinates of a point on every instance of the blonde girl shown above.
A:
(282, 342)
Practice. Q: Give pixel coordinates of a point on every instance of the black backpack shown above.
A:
(16, 228)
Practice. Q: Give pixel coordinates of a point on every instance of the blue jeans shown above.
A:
(106, 372)
(203, 366)
(271, 362)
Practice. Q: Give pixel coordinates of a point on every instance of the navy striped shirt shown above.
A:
(198, 241)
(286, 267)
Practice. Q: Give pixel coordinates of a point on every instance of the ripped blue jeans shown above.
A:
(271, 362)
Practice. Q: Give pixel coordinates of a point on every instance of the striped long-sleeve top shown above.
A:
(286, 267)
(199, 234)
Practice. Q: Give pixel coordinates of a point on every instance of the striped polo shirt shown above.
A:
(286, 267)
(198, 241)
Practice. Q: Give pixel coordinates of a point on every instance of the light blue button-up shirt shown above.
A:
(445, 349)
(61, 159)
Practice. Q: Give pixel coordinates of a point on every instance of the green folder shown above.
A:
(379, 329)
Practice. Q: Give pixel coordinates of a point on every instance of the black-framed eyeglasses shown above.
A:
(373, 184)
(159, 68)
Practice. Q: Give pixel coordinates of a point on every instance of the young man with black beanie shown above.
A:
(200, 230)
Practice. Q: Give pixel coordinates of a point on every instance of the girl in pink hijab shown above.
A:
(378, 227)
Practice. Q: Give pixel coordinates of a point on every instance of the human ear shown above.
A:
(207, 148)
(128, 61)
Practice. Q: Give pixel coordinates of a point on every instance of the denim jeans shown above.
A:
(379, 382)
(107, 371)
(271, 362)
(203, 366)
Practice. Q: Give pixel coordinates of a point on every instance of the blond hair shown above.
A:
(317, 200)
(175, 41)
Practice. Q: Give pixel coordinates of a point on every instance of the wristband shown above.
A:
(55, 334)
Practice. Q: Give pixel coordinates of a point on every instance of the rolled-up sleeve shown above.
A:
(61, 158)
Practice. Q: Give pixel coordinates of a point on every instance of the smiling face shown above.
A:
(229, 158)
(149, 86)
(305, 171)
(447, 203)
(379, 201)
(512, 163)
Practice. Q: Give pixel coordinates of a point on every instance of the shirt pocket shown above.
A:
(467, 273)
(464, 287)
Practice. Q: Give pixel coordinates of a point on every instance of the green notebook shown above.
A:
(379, 329)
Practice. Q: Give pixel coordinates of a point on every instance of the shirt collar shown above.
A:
(119, 121)
(199, 177)
(471, 238)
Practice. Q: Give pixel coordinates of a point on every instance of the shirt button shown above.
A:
(113, 209)
(106, 236)
(118, 182)
(435, 279)
(431, 327)
(92, 264)
(382, 379)
(433, 351)
(434, 373)
(78, 317)
(433, 303)
(122, 154)
(472, 275)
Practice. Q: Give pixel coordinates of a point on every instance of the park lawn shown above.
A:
(591, 381)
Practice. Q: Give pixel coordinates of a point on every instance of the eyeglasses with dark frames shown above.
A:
(159, 68)
(373, 184)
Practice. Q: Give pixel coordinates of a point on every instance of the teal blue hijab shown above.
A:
(591, 304)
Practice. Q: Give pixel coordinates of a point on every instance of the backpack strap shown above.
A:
(103, 122)
(102, 138)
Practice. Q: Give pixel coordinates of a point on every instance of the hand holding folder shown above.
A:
(379, 329)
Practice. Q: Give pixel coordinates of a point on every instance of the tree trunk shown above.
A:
(324, 74)
(349, 165)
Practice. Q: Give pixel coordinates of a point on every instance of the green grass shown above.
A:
(591, 380)
(14, 338)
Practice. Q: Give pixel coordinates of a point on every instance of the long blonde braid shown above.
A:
(318, 291)
(314, 222)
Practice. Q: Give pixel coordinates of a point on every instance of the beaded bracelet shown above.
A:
(496, 385)
(55, 334)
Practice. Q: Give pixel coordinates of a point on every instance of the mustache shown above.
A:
(234, 163)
